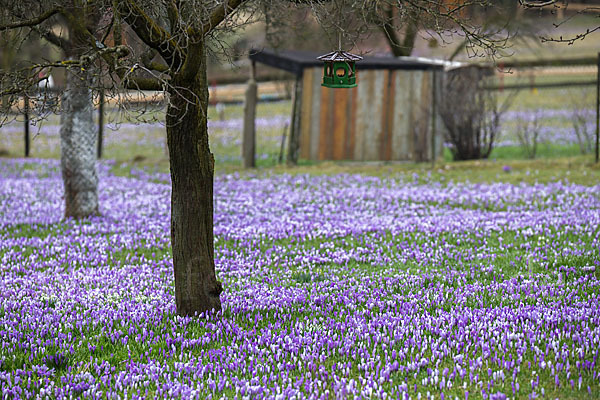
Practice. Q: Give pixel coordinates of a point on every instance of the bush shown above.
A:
(528, 134)
(470, 113)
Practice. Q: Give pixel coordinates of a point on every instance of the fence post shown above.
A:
(434, 82)
(26, 114)
(282, 148)
(100, 124)
(249, 133)
(597, 107)
(294, 140)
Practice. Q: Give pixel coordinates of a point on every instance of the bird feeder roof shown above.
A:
(339, 56)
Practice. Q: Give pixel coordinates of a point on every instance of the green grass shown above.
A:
(544, 151)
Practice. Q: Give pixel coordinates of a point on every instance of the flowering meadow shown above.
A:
(335, 287)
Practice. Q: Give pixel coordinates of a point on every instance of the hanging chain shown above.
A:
(339, 17)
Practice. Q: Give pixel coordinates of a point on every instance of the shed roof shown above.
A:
(295, 61)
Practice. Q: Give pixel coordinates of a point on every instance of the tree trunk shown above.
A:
(192, 168)
(78, 147)
(400, 48)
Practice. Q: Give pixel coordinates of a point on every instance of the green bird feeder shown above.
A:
(339, 70)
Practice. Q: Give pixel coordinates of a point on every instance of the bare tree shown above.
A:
(528, 131)
(581, 117)
(470, 113)
(67, 28)
(175, 38)
(9, 45)
(563, 4)
(441, 21)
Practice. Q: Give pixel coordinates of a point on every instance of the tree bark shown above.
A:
(404, 47)
(192, 169)
(78, 147)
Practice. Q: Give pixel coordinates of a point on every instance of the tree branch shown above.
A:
(132, 82)
(192, 61)
(31, 22)
(119, 51)
(475, 36)
(219, 14)
(109, 28)
(117, 30)
(139, 83)
(54, 39)
(400, 47)
(536, 4)
(146, 59)
(173, 15)
(572, 39)
(151, 33)
(390, 33)
(411, 34)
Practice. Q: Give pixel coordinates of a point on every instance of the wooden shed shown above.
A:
(390, 115)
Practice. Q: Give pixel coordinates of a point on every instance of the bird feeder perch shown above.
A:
(339, 70)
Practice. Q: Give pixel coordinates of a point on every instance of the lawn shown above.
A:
(389, 283)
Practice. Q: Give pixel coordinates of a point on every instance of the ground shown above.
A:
(336, 285)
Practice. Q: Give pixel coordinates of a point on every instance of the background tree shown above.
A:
(399, 28)
(473, 123)
(66, 27)
(78, 134)
(446, 21)
(553, 6)
(176, 38)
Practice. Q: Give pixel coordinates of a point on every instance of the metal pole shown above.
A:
(598, 107)
(100, 124)
(26, 112)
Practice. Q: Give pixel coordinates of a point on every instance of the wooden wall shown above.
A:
(388, 116)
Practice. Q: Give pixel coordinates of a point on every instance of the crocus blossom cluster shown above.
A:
(344, 286)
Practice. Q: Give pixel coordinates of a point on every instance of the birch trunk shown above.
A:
(78, 147)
